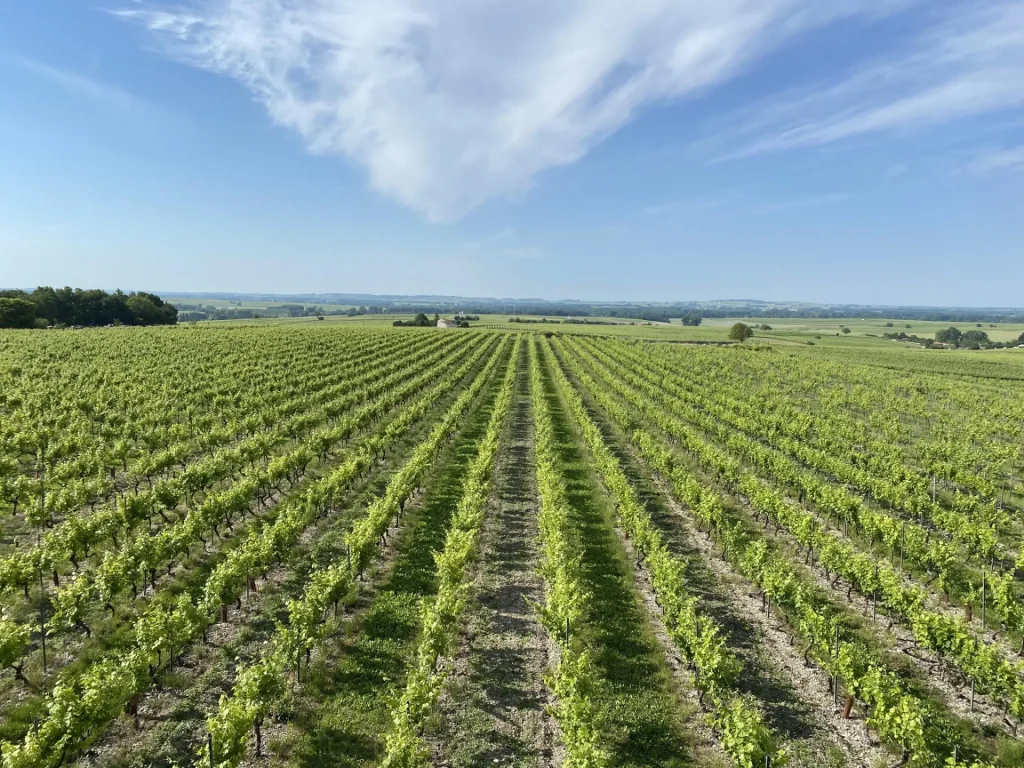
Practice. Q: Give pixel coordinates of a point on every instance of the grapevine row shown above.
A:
(141, 557)
(79, 708)
(900, 717)
(253, 412)
(980, 662)
(744, 736)
(73, 539)
(404, 743)
(258, 685)
(574, 680)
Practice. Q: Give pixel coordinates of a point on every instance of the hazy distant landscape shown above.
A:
(575, 307)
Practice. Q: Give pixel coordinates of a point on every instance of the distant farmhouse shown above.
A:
(446, 323)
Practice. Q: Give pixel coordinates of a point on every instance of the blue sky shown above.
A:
(818, 150)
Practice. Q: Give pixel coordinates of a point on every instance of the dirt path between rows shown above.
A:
(492, 711)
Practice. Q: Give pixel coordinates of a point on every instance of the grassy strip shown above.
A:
(493, 707)
(405, 747)
(737, 718)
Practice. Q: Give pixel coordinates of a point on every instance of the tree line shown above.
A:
(972, 339)
(69, 307)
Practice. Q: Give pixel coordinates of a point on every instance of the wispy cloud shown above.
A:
(970, 63)
(999, 160)
(454, 102)
(497, 237)
(94, 90)
(528, 252)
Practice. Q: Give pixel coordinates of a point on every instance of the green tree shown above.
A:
(740, 332)
(67, 306)
(951, 335)
(144, 312)
(974, 339)
(147, 309)
(845, 329)
(17, 313)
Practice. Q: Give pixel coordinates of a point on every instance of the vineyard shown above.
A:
(318, 545)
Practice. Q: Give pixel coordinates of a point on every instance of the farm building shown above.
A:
(446, 323)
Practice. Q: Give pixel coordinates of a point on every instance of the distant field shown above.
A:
(801, 328)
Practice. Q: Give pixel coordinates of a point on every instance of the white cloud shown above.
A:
(999, 160)
(449, 103)
(968, 64)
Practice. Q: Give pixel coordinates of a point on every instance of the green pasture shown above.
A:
(801, 327)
